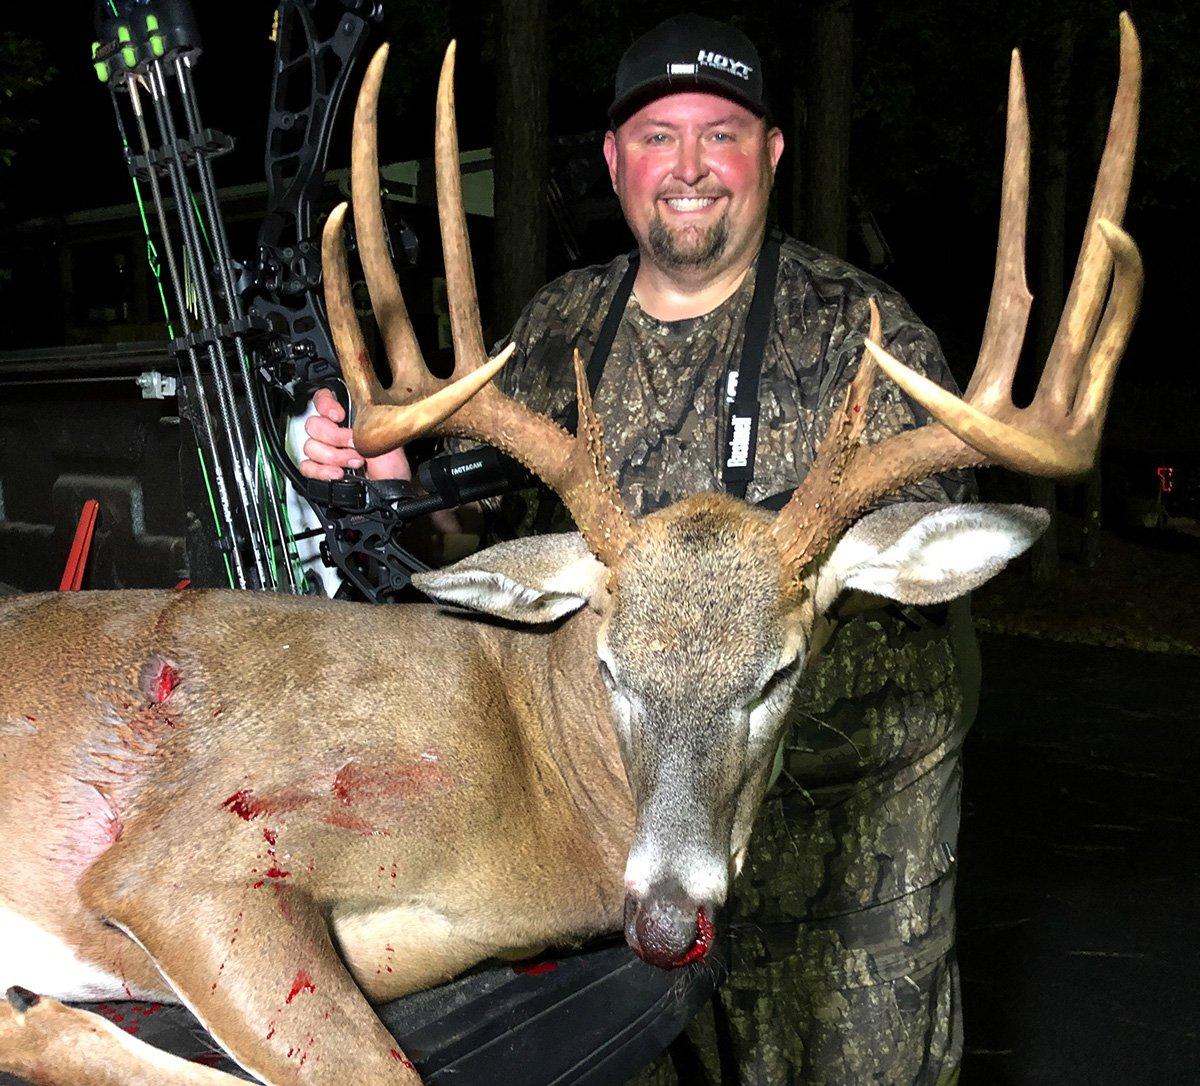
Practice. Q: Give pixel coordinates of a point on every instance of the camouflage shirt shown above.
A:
(662, 395)
(844, 970)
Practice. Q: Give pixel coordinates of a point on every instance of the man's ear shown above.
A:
(610, 155)
(918, 553)
(533, 580)
(775, 146)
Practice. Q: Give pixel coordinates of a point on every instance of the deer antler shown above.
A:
(1057, 435)
(466, 405)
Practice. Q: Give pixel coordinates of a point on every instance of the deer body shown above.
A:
(441, 791)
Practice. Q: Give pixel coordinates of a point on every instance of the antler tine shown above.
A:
(575, 468)
(1066, 361)
(1008, 310)
(823, 503)
(593, 497)
(357, 370)
(391, 314)
(1091, 402)
(465, 328)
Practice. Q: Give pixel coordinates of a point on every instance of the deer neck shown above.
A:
(573, 724)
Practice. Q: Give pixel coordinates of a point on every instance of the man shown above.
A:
(843, 961)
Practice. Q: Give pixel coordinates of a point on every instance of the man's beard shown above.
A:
(698, 252)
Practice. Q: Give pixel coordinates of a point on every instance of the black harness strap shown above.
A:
(741, 432)
(595, 370)
(604, 341)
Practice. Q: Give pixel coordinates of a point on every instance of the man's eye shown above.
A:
(657, 137)
(722, 137)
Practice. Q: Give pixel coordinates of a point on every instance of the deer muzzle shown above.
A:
(666, 928)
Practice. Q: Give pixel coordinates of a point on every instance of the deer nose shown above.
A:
(666, 928)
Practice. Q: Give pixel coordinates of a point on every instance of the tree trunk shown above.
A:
(825, 174)
(1089, 547)
(522, 155)
(798, 176)
(1050, 272)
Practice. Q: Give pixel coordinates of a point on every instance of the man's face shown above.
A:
(693, 172)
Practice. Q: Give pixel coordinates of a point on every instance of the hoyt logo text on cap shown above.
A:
(709, 59)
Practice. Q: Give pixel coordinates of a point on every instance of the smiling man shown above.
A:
(716, 351)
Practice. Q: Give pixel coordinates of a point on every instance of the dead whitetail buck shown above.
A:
(217, 798)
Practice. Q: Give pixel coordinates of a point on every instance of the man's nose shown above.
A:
(690, 164)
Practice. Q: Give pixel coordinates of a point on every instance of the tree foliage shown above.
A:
(23, 70)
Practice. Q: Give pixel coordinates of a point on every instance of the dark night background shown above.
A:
(916, 91)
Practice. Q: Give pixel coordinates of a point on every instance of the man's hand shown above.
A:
(329, 449)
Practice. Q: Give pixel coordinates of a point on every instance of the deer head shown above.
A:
(706, 609)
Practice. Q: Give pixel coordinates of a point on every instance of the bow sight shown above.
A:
(251, 338)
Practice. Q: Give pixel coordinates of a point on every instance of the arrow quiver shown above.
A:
(252, 338)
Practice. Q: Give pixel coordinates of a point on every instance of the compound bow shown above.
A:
(252, 338)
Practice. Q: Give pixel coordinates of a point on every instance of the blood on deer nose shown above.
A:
(667, 929)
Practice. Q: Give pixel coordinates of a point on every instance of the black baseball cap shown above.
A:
(686, 52)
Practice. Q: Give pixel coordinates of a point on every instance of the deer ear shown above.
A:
(534, 580)
(916, 553)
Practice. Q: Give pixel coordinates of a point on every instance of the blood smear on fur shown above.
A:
(537, 969)
(302, 983)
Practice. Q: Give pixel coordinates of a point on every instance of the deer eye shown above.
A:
(780, 675)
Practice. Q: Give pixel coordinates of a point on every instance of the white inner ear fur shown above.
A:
(921, 554)
(563, 589)
(495, 593)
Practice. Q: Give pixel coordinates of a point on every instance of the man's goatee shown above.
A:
(704, 254)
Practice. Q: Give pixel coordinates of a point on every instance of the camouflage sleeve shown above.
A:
(539, 374)
(890, 409)
(541, 344)
(531, 377)
(509, 378)
(526, 338)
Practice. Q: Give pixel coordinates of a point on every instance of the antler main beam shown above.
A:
(1058, 434)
